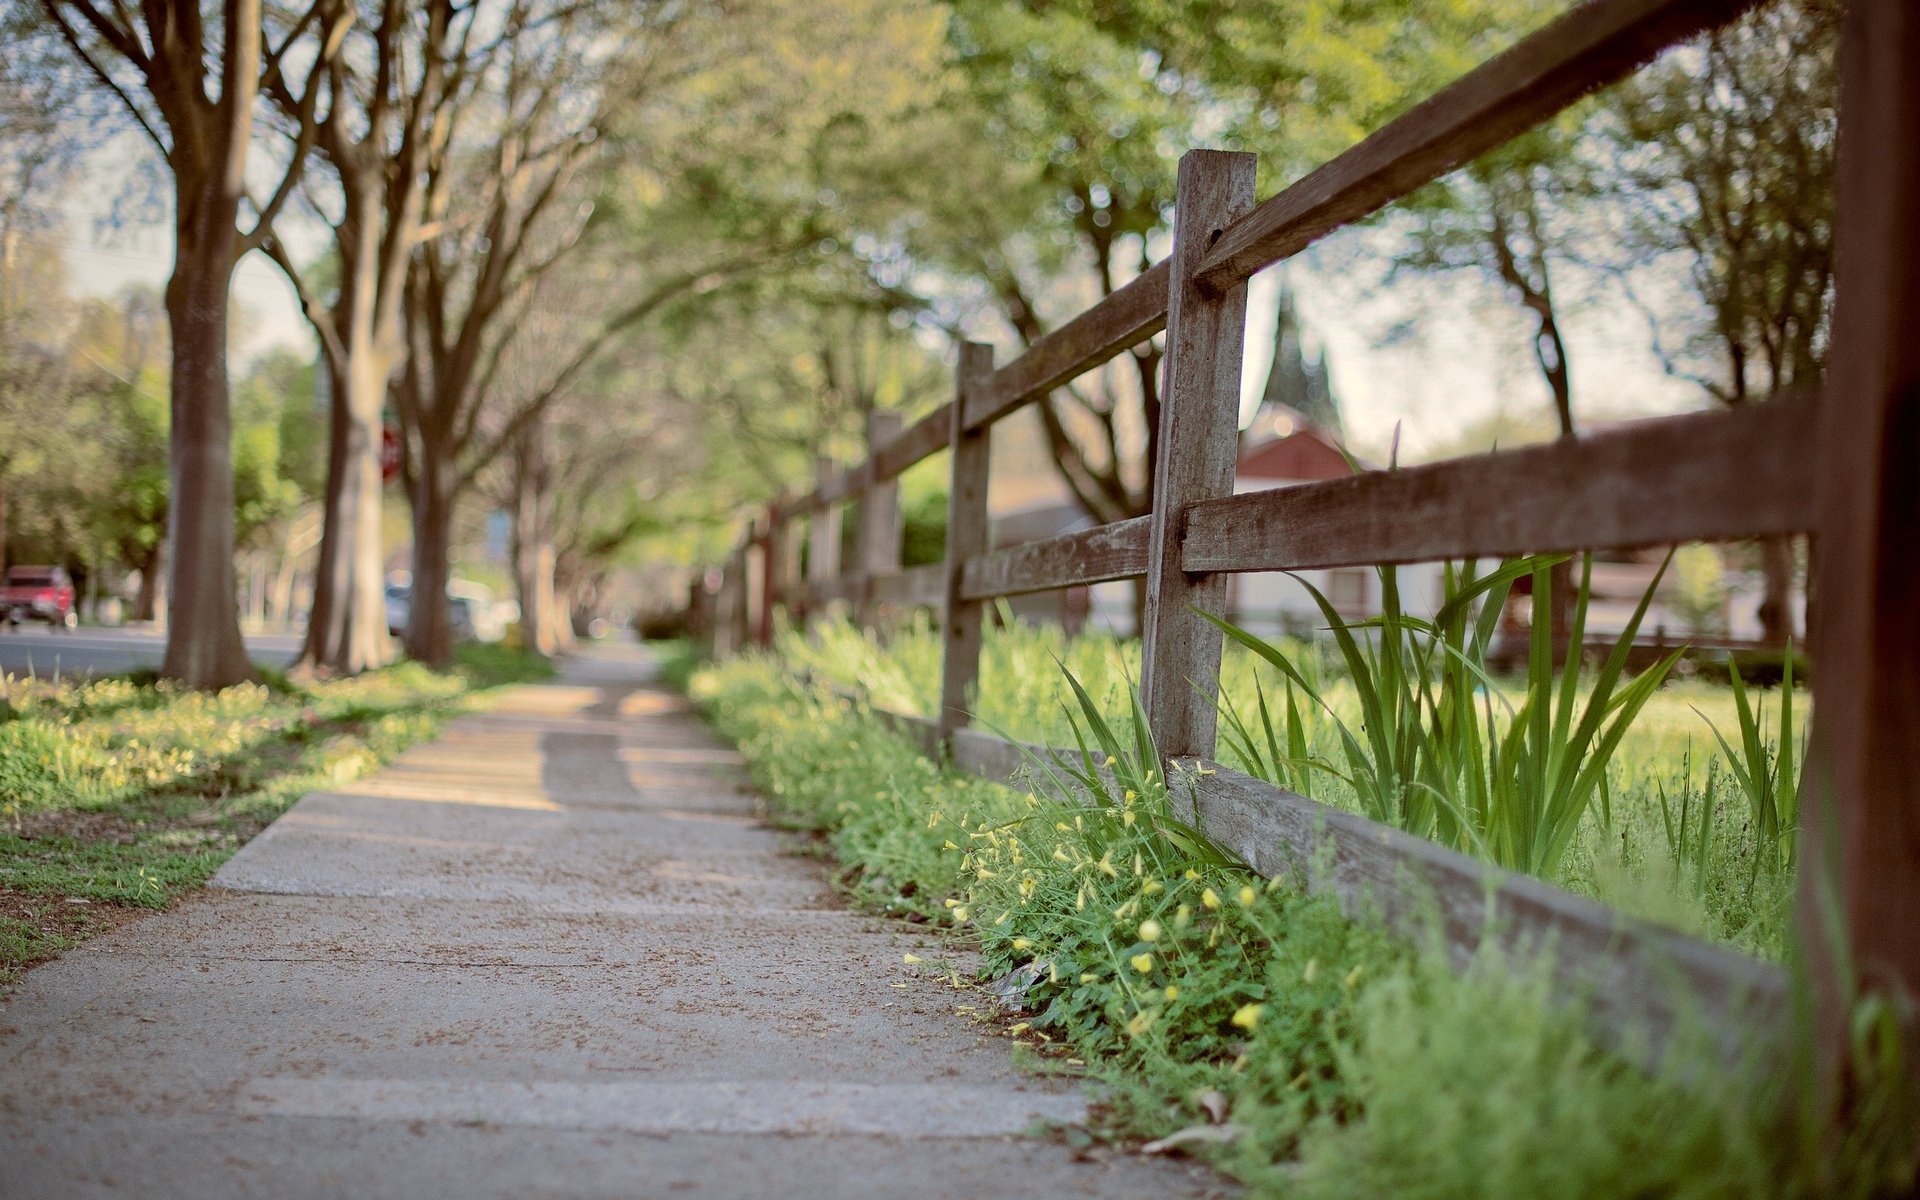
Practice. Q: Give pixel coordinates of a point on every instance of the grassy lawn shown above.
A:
(1669, 835)
(120, 795)
(1305, 1053)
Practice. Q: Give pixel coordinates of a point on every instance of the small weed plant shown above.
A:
(1308, 1053)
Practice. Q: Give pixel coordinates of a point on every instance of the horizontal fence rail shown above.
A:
(1129, 316)
(1834, 470)
(1594, 45)
(1709, 476)
(1639, 980)
(1116, 551)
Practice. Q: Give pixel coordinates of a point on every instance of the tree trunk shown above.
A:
(533, 555)
(347, 628)
(429, 620)
(533, 579)
(143, 600)
(204, 647)
(1776, 603)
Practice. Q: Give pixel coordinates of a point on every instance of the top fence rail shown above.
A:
(1840, 469)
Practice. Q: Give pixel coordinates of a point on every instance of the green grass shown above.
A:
(1649, 813)
(125, 793)
(1350, 1064)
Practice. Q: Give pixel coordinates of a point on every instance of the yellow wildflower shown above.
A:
(1172, 992)
(1142, 1021)
(1149, 930)
(1248, 1015)
(1022, 944)
(911, 958)
(1142, 963)
(1247, 897)
(960, 914)
(1209, 899)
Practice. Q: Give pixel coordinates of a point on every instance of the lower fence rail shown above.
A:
(1640, 983)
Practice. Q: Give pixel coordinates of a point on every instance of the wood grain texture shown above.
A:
(1638, 978)
(1131, 315)
(842, 484)
(1595, 44)
(1861, 841)
(1734, 473)
(967, 528)
(757, 565)
(877, 540)
(915, 587)
(1198, 442)
(816, 594)
(823, 528)
(923, 439)
(1116, 551)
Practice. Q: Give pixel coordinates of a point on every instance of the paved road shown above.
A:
(90, 651)
(553, 954)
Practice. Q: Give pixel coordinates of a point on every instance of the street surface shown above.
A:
(94, 651)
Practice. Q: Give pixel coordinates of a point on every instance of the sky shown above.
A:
(1428, 358)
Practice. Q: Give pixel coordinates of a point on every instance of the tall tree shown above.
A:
(1724, 162)
(189, 80)
(406, 76)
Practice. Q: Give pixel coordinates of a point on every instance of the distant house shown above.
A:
(1279, 449)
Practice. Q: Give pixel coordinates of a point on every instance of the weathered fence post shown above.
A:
(756, 555)
(1199, 434)
(823, 538)
(879, 517)
(783, 563)
(1860, 862)
(737, 599)
(966, 537)
(723, 643)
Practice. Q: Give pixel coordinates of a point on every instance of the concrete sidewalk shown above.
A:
(551, 954)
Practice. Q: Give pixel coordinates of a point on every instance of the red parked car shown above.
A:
(38, 594)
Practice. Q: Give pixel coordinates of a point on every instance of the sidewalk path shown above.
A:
(551, 954)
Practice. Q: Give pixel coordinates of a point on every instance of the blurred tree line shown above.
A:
(627, 271)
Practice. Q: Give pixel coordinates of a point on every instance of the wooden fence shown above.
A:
(1843, 469)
